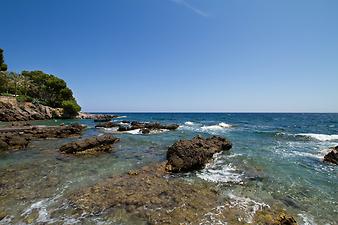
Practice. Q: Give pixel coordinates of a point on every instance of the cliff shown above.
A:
(12, 110)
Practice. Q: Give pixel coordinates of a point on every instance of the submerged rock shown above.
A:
(20, 137)
(90, 145)
(151, 196)
(147, 194)
(269, 217)
(189, 155)
(332, 156)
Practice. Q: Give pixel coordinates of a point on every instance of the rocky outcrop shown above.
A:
(332, 156)
(96, 117)
(109, 124)
(12, 110)
(19, 137)
(151, 196)
(90, 145)
(148, 196)
(145, 128)
(189, 155)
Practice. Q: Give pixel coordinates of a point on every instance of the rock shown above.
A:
(145, 131)
(151, 196)
(189, 155)
(19, 137)
(12, 110)
(109, 124)
(285, 220)
(3, 146)
(332, 156)
(269, 217)
(147, 195)
(93, 144)
(123, 127)
(145, 128)
(96, 117)
(18, 142)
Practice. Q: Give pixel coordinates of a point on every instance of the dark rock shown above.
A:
(94, 144)
(290, 202)
(145, 131)
(19, 137)
(285, 220)
(145, 128)
(18, 142)
(96, 117)
(3, 146)
(109, 124)
(332, 156)
(123, 127)
(189, 155)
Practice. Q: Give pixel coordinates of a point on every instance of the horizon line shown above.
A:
(203, 112)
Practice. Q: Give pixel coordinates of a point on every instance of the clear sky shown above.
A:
(180, 55)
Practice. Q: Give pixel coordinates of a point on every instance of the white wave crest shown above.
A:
(307, 219)
(219, 172)
(136, 131)
(217, 127)
(225, 174)
(319, 137)
(189, 123)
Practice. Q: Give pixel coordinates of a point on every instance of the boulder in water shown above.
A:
(189, 155)
(90, 145)
(332, 156)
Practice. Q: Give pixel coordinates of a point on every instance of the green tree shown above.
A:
(3, 66)
(70, 108)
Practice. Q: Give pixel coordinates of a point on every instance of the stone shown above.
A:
(90, 145)
(332, 156)
(189, 155)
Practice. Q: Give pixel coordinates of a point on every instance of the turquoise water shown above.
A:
(275, 159)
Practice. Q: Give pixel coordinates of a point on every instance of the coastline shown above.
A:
(228, 180)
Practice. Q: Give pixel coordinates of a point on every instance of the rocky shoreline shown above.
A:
(14, 138)
(145, 128)
(156, 194)
(12, 110)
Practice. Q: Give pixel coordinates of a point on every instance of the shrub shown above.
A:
(70, 109)
(3, 67)
(23, 98)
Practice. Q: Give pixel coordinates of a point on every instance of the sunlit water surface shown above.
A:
(275, 158)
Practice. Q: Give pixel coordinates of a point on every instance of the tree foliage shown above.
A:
(39, 87)
(3, 66)
(70, 108)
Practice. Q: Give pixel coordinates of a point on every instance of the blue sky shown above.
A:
(181, 55)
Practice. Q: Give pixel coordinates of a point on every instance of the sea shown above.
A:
(276, 157)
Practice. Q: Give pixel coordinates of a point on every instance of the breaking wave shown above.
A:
(219, 172)
(319, 137)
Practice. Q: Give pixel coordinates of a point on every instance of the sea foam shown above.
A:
(319, 137)
(189, 123)
(219, 126)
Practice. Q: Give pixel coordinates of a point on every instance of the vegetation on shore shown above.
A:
(39, 88)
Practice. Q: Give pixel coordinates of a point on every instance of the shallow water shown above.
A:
(275, 159)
